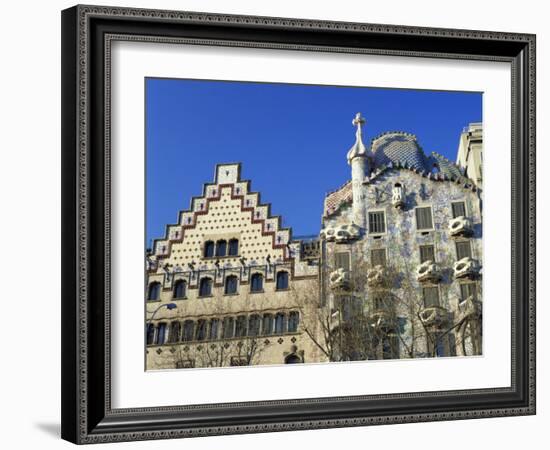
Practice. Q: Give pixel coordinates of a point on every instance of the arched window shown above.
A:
(282, 280)
(267, 325)
(161, 334)
(240, 326)
(221, 248)
(188, 331)
(228, 326)
(201, 330)
(293, 359)
(180, 289)
(254, 325)
(233, 247)
(153, 292)
(205, 287)
(175, 331)
(208, 249)
(150, 334)
(214, 330)
(280, 323)
(231, 283)
(293, 321)
(257, 282)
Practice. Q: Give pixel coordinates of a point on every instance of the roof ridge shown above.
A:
(395, 132)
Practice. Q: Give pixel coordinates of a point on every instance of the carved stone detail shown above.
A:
(427, 271)
(466, 268)
(460, 226)
(341, 233)
(339, 279)
(376, 276)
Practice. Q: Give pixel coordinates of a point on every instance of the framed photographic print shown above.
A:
(283, 224)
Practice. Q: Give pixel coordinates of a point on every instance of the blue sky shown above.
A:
(292, 140)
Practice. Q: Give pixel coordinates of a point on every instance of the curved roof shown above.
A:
(398, 147)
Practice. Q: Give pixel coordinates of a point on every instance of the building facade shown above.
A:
(470, 153)
(221, 286)
(402, 253)
(394, 273)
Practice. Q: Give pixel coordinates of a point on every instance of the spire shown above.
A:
(358, 149)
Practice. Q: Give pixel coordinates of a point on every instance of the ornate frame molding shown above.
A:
(87, 32)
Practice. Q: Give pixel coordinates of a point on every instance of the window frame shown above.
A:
(176, 284)
(424, 230)
(383, 249)
(211, 287)
(464, 241)
(226, 285)
(280, 273)
(453, 211)
(205, 246)
(261, 277)
(149, 288)
(436, 289)
(377, 211)
(229, 247)
(420, 253)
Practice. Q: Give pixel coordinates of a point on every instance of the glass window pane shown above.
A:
(463, 250)
(233, 247)
(431, 296)
(427, 253)
(377, 222)
(424, 218)
(209, 249)
(257, 282)
(221, 248)
(282, 280)
(341, 260)
(459, 209)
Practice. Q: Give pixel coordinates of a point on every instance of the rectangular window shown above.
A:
(378, 257)
(424, 218)
(431, 296)
(468, 290)
(463, 250)
(459, 209)
(377, 222)
(341, 260)
(427, 253)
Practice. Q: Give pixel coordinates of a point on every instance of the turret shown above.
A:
(358, 160)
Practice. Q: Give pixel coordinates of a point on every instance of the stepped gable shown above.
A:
(227, 178)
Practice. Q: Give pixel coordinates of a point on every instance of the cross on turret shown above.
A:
(358, 121)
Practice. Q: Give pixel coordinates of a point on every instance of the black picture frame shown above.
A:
(87, 416)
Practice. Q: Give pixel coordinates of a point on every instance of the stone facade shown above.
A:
(221, 285)
(395, 272)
